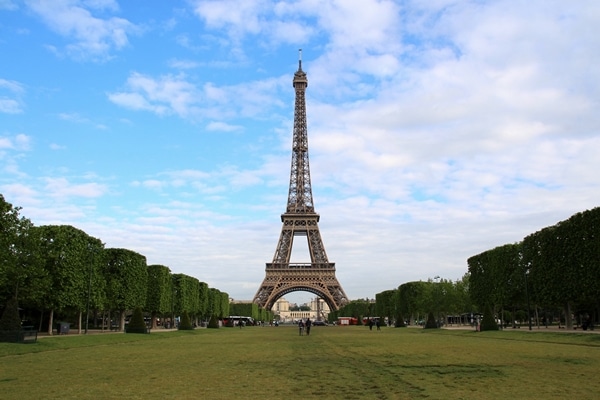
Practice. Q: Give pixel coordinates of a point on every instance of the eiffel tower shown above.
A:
(300, 219)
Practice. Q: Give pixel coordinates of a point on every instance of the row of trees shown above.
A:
(552, 269)
(250, 310)
(411, 302)
(59, 269)
(356, 308)
(556, 267)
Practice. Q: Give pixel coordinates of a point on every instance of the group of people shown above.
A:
(304, 324)
(376, 324)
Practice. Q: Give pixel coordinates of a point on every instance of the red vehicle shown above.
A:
(347, 321)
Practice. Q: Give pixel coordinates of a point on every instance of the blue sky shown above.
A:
(437, 129)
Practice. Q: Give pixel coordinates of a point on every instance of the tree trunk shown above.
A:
(50, 321)
(79, 324)
(568, 319)
(122, 321)
(41, 320)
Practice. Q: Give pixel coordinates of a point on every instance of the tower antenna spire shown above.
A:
(300, 59)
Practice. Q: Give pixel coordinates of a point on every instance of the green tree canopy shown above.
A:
(126, 274)
(22, 273)
(159, 296)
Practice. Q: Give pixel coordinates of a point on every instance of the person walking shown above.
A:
(301, 327)
(308, 324)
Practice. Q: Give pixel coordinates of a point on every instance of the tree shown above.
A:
(126, 277)
(384, 304)
(71, 261)
(214, 302)
(413, 300)
(244, 309)
(187, 294)
(463, 298)
(562, 262)
(159, 296)
(203, 301)
(22, 275)
(225, 305)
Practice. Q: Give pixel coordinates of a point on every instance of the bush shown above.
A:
(185, 324)
(213, 323)
(488, 323)
(10, 320)
(430, 324)
(137, 323)
(399, 323)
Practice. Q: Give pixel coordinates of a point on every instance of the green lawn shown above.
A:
(331, 363)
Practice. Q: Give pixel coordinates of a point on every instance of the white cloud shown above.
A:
(61, 187)
(168, 94)
(178, 95)
(72, 117)
(56, 146)
(110, 5)
(17, 142)
(93, 38)
(11, 103)
(12, 86)
(183, 64)
(10, 106)
(239, 16)
(223, 127)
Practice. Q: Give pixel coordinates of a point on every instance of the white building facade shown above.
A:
(319, 310)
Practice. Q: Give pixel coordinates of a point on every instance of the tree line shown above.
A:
(60, 272)
(251, 310)
(411, 302)
(552, 274)
(556, 269)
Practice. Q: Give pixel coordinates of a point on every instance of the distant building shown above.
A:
(319, 310)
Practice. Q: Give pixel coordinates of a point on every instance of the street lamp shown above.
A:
(528, 305)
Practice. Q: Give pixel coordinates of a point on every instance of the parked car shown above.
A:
(319, 323)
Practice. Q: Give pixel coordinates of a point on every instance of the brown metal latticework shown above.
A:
(300, 219)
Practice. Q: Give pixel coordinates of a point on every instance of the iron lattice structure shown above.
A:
(300, 219)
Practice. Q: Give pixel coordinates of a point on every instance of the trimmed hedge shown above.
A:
(137, 323)
(488, 323)
(186, 323)
(431, 324)
(10, 320)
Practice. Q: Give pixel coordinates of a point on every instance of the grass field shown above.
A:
(331, 363)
